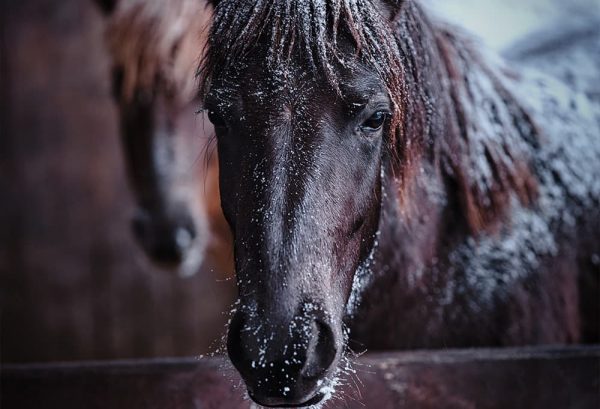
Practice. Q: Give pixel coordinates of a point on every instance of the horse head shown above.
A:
(155, 47)
(304, 99)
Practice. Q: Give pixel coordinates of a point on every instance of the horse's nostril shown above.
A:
(234, 348)
(321, 351)
(168, 252)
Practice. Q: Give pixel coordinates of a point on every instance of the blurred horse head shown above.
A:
(155, 46)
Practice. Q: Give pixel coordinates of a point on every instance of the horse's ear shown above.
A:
(106, 6)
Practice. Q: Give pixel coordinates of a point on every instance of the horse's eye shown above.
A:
(375, 121)
(216, 119)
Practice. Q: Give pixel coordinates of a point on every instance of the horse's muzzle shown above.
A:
(165, 241)
(283, 365)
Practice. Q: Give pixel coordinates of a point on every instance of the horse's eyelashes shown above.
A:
(374, 122)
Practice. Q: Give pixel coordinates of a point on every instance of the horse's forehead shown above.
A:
(298, 77)
(256, 88)
(283, 82)
(285, 92)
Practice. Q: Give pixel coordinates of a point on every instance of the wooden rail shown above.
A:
(529, 378)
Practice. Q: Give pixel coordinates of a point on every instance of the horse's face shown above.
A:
(300, 187)
(163, 146)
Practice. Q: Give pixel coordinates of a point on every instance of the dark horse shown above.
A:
(389, 185)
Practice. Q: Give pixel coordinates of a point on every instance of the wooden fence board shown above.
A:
(529, 378)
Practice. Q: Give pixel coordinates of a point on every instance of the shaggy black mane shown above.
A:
(309, 29)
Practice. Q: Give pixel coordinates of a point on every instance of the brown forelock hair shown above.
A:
(400, 51)
(159, 40)
(311, 29)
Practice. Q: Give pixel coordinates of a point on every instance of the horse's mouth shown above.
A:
(316, 399)
(324, 391)
(312, 401)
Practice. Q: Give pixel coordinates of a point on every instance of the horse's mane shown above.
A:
(489, 152)
(449, 103)
(464, 115)
(158, 39)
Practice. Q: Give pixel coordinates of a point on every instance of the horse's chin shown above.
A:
(324, 390)
(189, 266)
(315, 400)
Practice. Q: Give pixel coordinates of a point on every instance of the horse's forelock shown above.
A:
(150, 38)
(312, 29)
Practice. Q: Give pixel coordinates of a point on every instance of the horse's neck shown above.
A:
(476, 143)
(431, 281)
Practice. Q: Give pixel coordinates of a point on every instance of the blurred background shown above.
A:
(74, 284)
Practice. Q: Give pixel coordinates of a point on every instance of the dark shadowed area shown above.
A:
(74, 284)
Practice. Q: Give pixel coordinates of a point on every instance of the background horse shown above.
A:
(155, 47)
(390, 184)
(74, 282)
